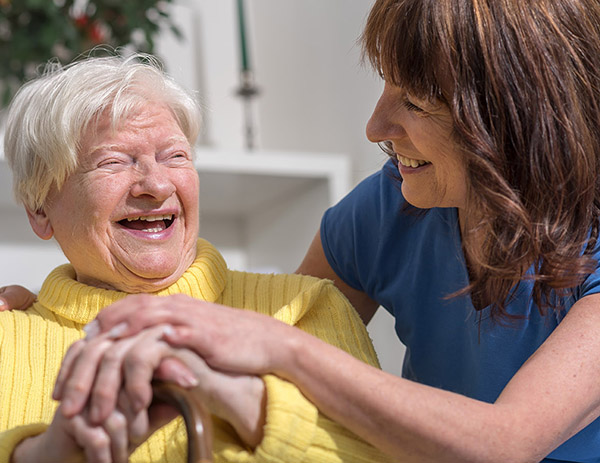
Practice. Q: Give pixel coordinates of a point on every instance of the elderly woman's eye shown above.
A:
(178, 156)
(109, 162)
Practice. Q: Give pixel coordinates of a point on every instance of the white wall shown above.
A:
(315, 93)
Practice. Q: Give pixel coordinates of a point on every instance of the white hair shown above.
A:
(49, 115)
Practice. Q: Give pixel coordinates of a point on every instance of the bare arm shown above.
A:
(315, 264)
(555, 394)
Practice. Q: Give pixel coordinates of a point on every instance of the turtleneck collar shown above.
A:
(205, 279)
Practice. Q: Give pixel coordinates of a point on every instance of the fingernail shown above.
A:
(187, 380)
(92, 329)
(118, 330)
(168, 330)
(2, 302)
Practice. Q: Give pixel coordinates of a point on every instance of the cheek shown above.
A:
(188, 188)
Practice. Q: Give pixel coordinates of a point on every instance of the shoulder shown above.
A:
(15, 324)
(269, 293)
(35, 322)
(279, 288)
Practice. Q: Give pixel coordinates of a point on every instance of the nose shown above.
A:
(153, 181)
(385, 122)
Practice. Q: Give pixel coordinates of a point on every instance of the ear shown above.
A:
(40, 224)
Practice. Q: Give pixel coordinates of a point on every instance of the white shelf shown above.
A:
(239, 182)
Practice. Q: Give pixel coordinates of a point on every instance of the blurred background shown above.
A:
(285, 98)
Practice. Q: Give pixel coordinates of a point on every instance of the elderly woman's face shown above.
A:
(429, 159)
(127, 218)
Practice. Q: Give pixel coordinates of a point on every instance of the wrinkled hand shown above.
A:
(15, 297)
(99, 368)
(227, 339)
(94, 370)
(75, 439)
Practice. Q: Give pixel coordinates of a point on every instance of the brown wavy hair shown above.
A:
(524, 95)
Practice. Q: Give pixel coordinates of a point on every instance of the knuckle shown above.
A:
(103, 395)
(117, 421)
(76, 387)
(100, 439)
(112, 356)
(135, 359)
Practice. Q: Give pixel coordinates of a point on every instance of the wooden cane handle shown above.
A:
(197, 419)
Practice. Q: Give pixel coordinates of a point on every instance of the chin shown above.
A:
(416, 198)
(145, 285)
(419, 203)
(149, 278)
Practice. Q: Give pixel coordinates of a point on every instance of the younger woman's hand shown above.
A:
(228, 339)
(15, 297)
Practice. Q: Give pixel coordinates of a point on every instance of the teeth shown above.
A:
(152, 230)
(152, 218)
(407, 162)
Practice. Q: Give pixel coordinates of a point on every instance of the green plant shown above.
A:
(34, 31)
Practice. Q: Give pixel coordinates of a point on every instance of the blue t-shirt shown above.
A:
(409, 263)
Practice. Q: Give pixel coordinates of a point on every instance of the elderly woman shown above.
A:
(479, 235)
(102, 157)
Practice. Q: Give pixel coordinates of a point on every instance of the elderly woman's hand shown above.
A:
(77, 440)
(94, 370)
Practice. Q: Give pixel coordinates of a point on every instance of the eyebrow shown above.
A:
(119, 147)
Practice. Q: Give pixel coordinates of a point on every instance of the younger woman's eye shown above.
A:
(412, 107)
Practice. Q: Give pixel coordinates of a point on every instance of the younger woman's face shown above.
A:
(429, 159)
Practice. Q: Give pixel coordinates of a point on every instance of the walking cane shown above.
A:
(198, 423)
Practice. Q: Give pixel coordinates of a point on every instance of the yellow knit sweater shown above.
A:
(33, 343)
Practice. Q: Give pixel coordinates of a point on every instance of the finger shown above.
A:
(138, 361)
(139, 311)
(94, 440)
(15, 297)
(108, 380)
(138, 370)
(78, 385)
(109, 373)
(65, 367)
(116, 428)
(138, 426)
(175, 370)
(194, 338)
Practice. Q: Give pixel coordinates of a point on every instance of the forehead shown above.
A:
(137, 125)
(402, 40)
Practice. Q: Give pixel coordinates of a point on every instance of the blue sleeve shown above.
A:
(352, 231)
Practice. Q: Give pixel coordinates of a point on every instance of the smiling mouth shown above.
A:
(407, 162)
(148, 224)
